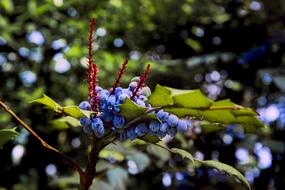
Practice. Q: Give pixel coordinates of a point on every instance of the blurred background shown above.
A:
(227, 48)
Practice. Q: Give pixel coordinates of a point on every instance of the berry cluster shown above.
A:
(106, 106)
(109, 118)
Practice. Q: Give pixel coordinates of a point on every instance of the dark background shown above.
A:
(229, 49)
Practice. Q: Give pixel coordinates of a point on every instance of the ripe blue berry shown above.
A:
(98, 127)
(121, 99)
(116, 108)
(141, 129)
(111, 100)
(163, 127)
(154, 126)
(131, 134)
(162, 115)
(119, 121)
(127, 92)
(107, 116)
(84, 105)
(84, 121)
(172, 120)
(118, 91)
(140, 103)
(142, 97)
(123, 135)
(182, 126)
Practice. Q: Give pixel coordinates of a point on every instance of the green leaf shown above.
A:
(150, 138)
(222, 113)
(226, 169)
(73, 111)
(7, 135)
(130, 110)
(64, 123)
(189, 98)
(160, 97)
(183, 153)
(50, 103)
(179, 151)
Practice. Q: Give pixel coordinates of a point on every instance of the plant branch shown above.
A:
(43, 143)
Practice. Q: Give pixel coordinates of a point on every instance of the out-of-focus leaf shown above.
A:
(7, 135)
(195, 45)
(7, 5)
(118, 178)
(64, 123)
(226, 169)
(106, 153)
(150, 138)
(141, 160)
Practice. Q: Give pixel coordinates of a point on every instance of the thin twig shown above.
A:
(43, 143)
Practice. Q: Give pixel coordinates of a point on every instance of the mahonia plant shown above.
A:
(136, 112)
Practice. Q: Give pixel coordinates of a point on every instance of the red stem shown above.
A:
(141, 81)
(92, 71)
(120, 75)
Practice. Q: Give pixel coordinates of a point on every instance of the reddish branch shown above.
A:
(120, 75)
(141, 81)
(92, 71)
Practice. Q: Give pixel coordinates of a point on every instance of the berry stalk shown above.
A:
(141, 81)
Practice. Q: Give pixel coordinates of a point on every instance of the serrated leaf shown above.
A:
(73, 111)
(211, 127)
(226, 169)
(7, 135)
(160, 97)
(130, 110)
(50, 103)
(183, 153)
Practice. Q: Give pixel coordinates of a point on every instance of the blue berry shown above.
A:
(123, 135)
(163, 127)
(111, 100)
(84, 105)
(182, 126)
(107, 116)
(119, 121)
(161, 134)
(140, 103)
(142, 97)
(98, 127)
(84, 121)
(172, 120)
(99, 89)
(141, 129)
(122, 98)
(116, 109)
(118, 91)
(154, 126)
(127, 92)
(162, 115)
(131, 134)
